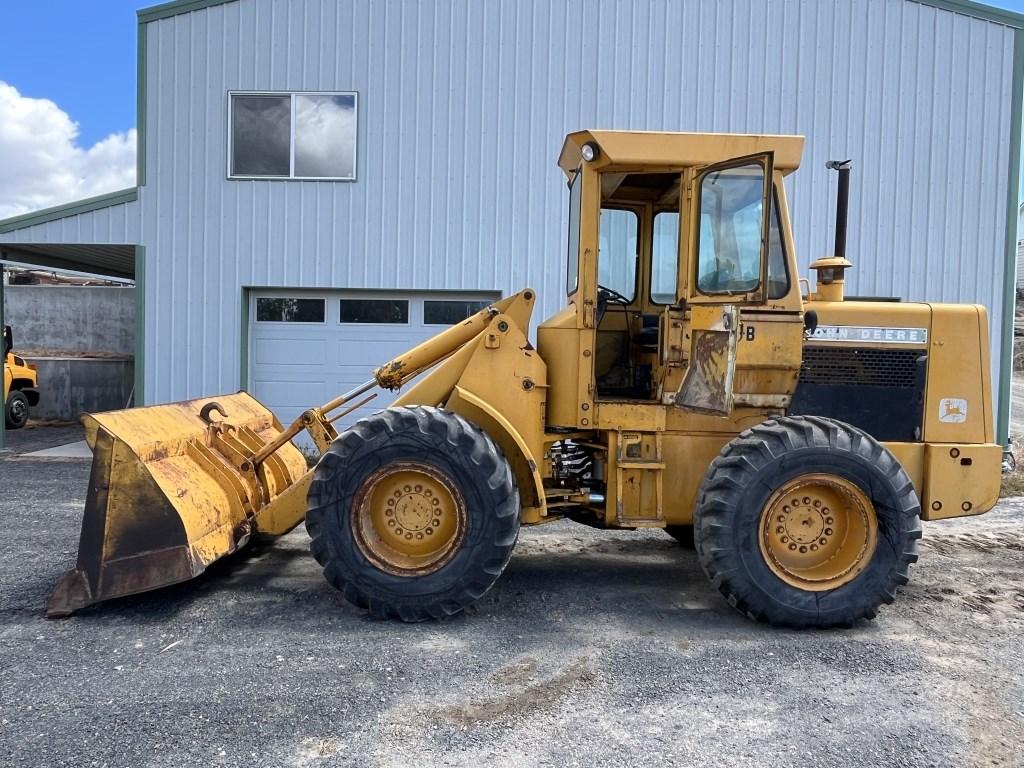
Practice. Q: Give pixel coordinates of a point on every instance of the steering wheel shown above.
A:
(606, 296)
(610, 295)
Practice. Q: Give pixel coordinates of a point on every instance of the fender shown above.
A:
(520, 458)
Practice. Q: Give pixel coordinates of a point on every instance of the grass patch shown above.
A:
(311, 455)
(1013, 482)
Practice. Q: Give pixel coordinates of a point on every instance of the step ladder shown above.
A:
(639, 479)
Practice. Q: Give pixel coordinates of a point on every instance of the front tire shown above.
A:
(413, 513)
(16, 410)
(807, 522)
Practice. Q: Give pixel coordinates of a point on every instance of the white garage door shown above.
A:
(308, 347)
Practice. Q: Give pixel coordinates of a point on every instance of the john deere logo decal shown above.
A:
(861, 334)
(953, 410)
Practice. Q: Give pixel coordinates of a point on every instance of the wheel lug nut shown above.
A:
(391, 502)
(407, 488)
(419, 488)
(796, 502)
(408, 536)
(828, 531)
(399, 531)
(817, 503)
(419, 535)
(435, 502)
(780, 529)
(806, 501)
(391, 523)
(389, 512)
(784, 539)
(803, 550)
(785, 508)
(823, 541)
(829, 521)
(814, 547)
(792, 546)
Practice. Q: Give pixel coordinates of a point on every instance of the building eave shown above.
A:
(75, 208)
(977, 11)
(175, 8)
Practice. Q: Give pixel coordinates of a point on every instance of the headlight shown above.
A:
(590, 151)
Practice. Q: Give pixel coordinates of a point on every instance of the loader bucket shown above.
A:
(172, 489)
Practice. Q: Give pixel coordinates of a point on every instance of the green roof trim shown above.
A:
(1010, 254)
(139, 384)
(33, 218)
(978, 11)
(140, 109)
(175, 8)
(243, 363)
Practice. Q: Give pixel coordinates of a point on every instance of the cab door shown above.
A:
(724, 267)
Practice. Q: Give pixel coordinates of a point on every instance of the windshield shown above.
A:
(729, 243)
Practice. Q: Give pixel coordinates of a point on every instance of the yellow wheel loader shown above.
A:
(796, 439)
(21, 385)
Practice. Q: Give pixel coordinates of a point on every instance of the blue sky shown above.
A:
(80, 54)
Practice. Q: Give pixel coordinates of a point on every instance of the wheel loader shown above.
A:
(692, 382)
(21, 385)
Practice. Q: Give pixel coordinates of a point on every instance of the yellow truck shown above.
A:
(21, 385)
(692, 382)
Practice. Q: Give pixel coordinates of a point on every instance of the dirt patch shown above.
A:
(533, 698)
(520, 672)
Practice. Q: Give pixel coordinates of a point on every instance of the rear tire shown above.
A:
(413, 513)
(16, 410)
(796, 483)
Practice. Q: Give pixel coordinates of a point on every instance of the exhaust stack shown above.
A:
(831, 271)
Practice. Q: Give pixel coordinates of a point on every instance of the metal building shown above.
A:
(262, 265)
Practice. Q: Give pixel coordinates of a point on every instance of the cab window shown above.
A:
(778, 275)
(573, 263)
(729, 239)
(665, 257)
(617, 252)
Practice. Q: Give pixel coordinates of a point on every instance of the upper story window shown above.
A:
(292, 136)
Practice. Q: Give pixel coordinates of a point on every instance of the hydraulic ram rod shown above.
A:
(307, 418)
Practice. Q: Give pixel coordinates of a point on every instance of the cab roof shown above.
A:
(652, 150)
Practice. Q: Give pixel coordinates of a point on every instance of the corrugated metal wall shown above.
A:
(463, 108)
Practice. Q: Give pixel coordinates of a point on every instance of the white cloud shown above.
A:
(41, 163)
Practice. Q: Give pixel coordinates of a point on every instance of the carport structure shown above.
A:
(98, 236)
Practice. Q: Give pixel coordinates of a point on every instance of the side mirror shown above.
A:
(8, 340)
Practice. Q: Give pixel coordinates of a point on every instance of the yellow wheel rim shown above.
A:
(409, 519)
(818, 532)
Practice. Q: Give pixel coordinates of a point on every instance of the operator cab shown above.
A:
(680, 221)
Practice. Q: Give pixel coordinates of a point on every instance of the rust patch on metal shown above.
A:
(707, 382)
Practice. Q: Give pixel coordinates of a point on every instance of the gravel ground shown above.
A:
(595, 648)
(38, 435)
